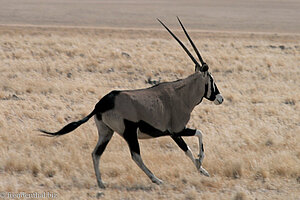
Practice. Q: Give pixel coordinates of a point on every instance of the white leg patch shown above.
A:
(201, 150)
(201, 154)
(204, 172)
(189, 154)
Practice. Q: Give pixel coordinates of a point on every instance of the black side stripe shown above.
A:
(206, 89)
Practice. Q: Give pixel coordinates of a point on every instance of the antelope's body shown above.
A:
(161, 110)
(166, 106)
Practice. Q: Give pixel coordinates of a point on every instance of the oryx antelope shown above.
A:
(161, 110)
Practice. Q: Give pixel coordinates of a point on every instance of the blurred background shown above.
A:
(231, 15)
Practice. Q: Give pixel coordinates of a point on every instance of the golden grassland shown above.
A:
(52, 76)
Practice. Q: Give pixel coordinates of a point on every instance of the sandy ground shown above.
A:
(52, 74)
(230, 15)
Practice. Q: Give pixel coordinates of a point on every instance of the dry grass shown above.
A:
(51, 76)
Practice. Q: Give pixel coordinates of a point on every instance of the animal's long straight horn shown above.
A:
(192, 43)
(181, 44)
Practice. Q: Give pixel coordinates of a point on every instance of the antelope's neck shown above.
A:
(191, 90)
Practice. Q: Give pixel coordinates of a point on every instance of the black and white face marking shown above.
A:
(212, 92)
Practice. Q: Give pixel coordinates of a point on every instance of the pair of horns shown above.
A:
(204, 66)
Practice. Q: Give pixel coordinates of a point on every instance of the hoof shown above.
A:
(101, 185)
(204, 172)
(157, 181)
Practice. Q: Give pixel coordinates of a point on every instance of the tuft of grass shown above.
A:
(269, 142)
(207, 182)
(191, 194)
(35, 169)
(114, 173)
(240, 68)
(233, 170)
(15, 164)
(290, 101)
(240, 196)
(49, 173)
(261, 174)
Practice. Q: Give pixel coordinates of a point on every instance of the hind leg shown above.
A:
(130, 135)
(105, 134)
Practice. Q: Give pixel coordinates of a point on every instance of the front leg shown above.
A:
(201, 148)
(181, 143)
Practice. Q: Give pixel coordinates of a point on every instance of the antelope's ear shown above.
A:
(204, 68)
(197, 68)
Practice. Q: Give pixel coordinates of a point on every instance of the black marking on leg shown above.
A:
(106, 103)
(202, 147)
(180, 142)
(186, 132)
(130, 135)
(100, 149)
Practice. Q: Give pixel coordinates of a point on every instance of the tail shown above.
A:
(69, 127)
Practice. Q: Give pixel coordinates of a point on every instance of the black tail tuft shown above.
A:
(69, 127)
